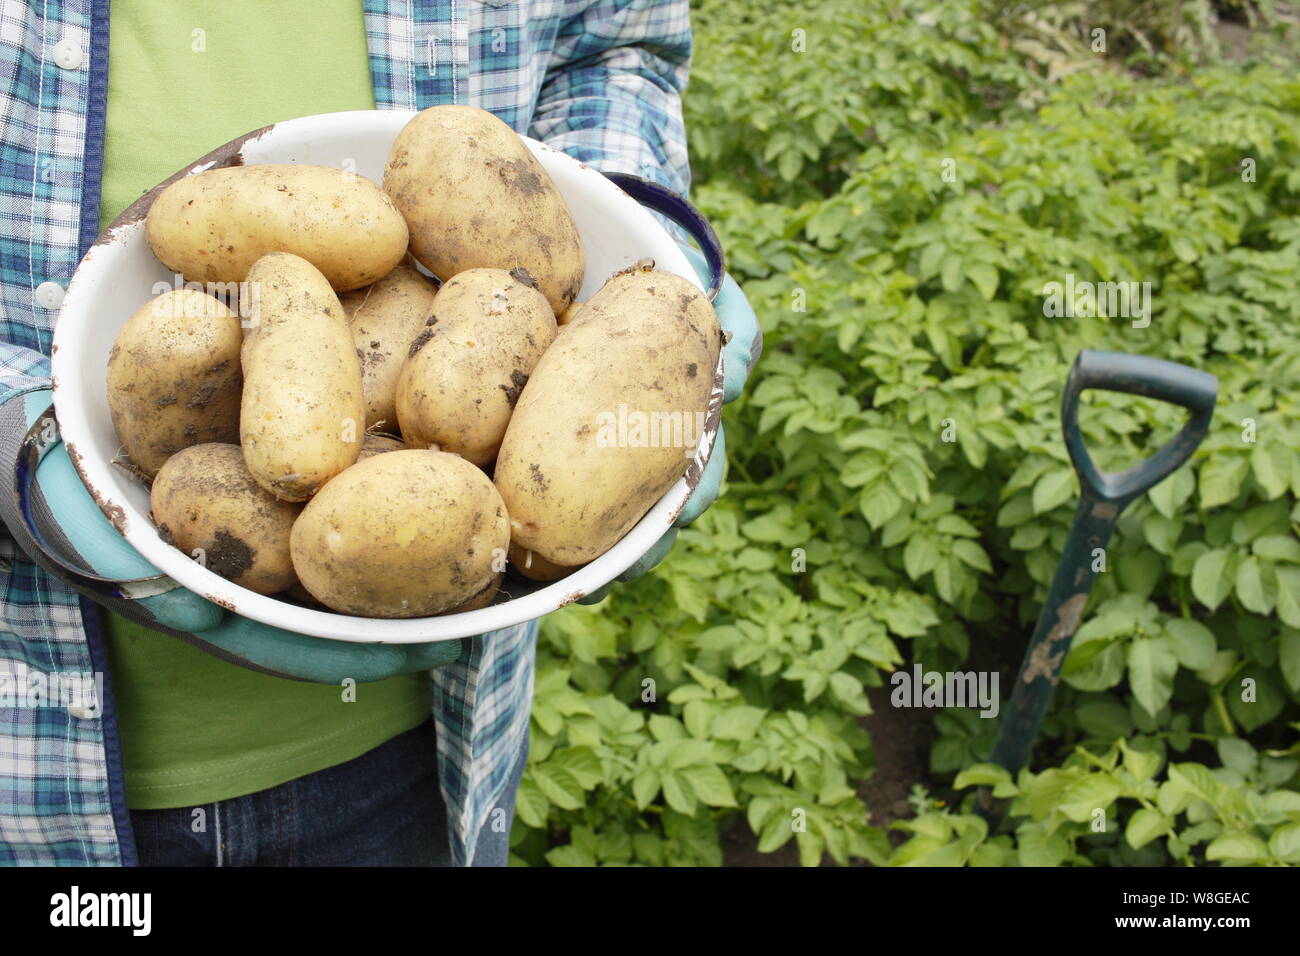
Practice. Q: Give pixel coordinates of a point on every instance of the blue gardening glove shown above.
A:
(743, 343)
(301, 657)
(71, 521)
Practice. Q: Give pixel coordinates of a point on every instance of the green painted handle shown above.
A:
(1103, 496)
(1138, 375)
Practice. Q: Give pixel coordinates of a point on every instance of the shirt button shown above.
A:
(68, 56)
(83, 711)
(49, 295)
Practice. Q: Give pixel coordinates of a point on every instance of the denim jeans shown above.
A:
(382, 809)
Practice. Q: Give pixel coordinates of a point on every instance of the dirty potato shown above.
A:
(174, 377)
(535, 567)
(302, 418)
(458, 387)
(610, 417)
(474, 196)
(212, 226)
(206, 504)
(385, 318)
(404, 534)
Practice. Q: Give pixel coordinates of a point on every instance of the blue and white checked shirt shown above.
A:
(599, 79)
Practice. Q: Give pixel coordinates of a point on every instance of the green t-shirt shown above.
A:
(183, 79)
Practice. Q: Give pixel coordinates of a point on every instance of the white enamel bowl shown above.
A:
(118, 275)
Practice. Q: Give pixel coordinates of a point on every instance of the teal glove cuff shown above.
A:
(739, 323)
(67, 512)
(706, 492)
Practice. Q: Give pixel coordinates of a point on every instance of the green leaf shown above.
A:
(1170, 495)
(1277, 547)
(972, 554)
(645, 787)
(1162, 533)
(678, 793)
(582, 763)
(985, 278)
(1284, 844)
(878, 504)
(951, 274)
(1144, 826)
(1270, 462)
(776, 832)
(1142, 764)
(751, 760)
(982, 775)
(1103, 671)
(698, 837)
(1288, 595)
(848, 691)
(1053, 489)
(1151, 667)
(1251, 589)
(570, 855)
(1039, 848)
(1237, 848)
(930, 261)
(948, 579)
(710, 785)
(1237, 754)
(1192, 642)
(691, 595)
(666, 728)
(686, 753)
(1268, 703)
(920, 556)
(1104, 718)
(1288, 658)
(1211, 582)
(1096, 791)
(559, 786)
(1221, 478)
(531, 804)
(790, 163)
(738, 723)
(1139, 572)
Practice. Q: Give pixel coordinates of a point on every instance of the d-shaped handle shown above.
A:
(1137, 375)
(676, 208)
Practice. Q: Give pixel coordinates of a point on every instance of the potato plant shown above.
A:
(898, 490)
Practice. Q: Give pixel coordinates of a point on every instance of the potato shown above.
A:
(482, 599)
(457, 389)
(212, 226)
(174, 377)
(302, 596)
(535, 567)
(404, 534)
(281, 288)
(475, 197)
(302, 419)
(204, 499)
(385, 318)
(610, 417)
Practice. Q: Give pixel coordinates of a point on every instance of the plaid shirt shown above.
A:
(599, 79)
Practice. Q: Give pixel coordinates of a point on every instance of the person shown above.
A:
(213, 739)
